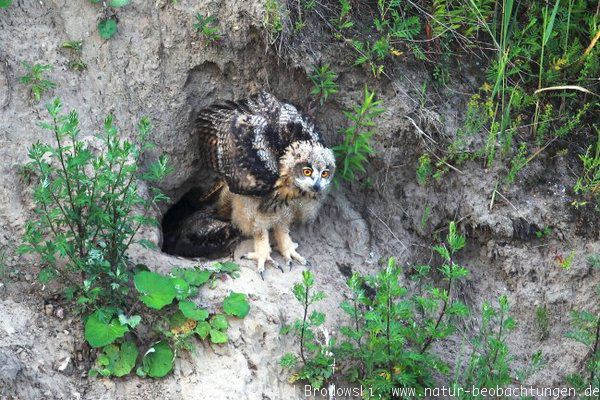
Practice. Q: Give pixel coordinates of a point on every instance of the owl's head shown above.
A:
(309, 166)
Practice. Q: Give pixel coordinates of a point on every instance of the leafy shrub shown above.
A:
(352, 153)
(88, 210)
(393, 329)
(207, 27)
(5, 3)
(36, 80)
(324, 85)
(387, 344)
(89, 207)
(316, 356)
(488, 365)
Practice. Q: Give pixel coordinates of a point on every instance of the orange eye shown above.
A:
(307, 171)
(324, 174)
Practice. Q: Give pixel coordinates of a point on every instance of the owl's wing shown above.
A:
(243, 144)
(201, 234)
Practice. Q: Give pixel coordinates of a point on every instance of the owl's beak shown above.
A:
(317, 186)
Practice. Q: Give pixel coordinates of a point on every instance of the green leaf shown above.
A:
(191, 311)
(219, 322)
(227, 267)
(158, 360)
(550, 23)
(236, 304)
(119, 360)
(218, 337)
(132, 321)
(107, 28)
(46, 275)
(182, 288)
(203, 329)
(118, 3)
(5, 3)
(158, 291)
(101, 329)
(194, 277)
(288, 360)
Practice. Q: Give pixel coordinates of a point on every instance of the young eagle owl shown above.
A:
(274, 167)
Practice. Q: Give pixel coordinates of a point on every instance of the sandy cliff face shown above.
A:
(157, 66)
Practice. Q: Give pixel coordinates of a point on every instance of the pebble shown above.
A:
(48, 309)
(64, 364)
(60, 313)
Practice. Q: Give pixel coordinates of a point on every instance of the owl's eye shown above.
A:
(307, 171)
(324, 174)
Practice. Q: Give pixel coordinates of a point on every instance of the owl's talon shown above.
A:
(262, 275)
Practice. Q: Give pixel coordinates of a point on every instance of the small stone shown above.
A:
(48, 309)
(28, 277)
(64, 364)
(60, 313)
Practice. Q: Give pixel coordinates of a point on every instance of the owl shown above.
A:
(274, 170)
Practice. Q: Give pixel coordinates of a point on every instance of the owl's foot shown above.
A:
(262, 254)
(289, 253)
(261, 261)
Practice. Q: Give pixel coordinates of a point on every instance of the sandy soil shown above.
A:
(157, 66)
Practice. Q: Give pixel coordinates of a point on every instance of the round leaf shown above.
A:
(99, 333)
(236, 304)
(158, 360)
(194, 277)
(5, 3)
(219, 322)
(217, 336)
(158, 291)
(182, 288)
(203, 329)
(107, 28)
(190, 310)
(119, 361)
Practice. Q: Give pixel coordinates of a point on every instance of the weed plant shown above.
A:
(89, 208)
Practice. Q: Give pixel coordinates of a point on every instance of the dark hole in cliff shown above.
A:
(192, 227)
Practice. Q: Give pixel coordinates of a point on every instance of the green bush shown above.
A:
(316, 356)
(389, 341)
(88, 210)
(352, 153)
(324, 85)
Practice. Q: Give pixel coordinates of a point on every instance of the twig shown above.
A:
(388, 228)
(419, 129)
(566, 87)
